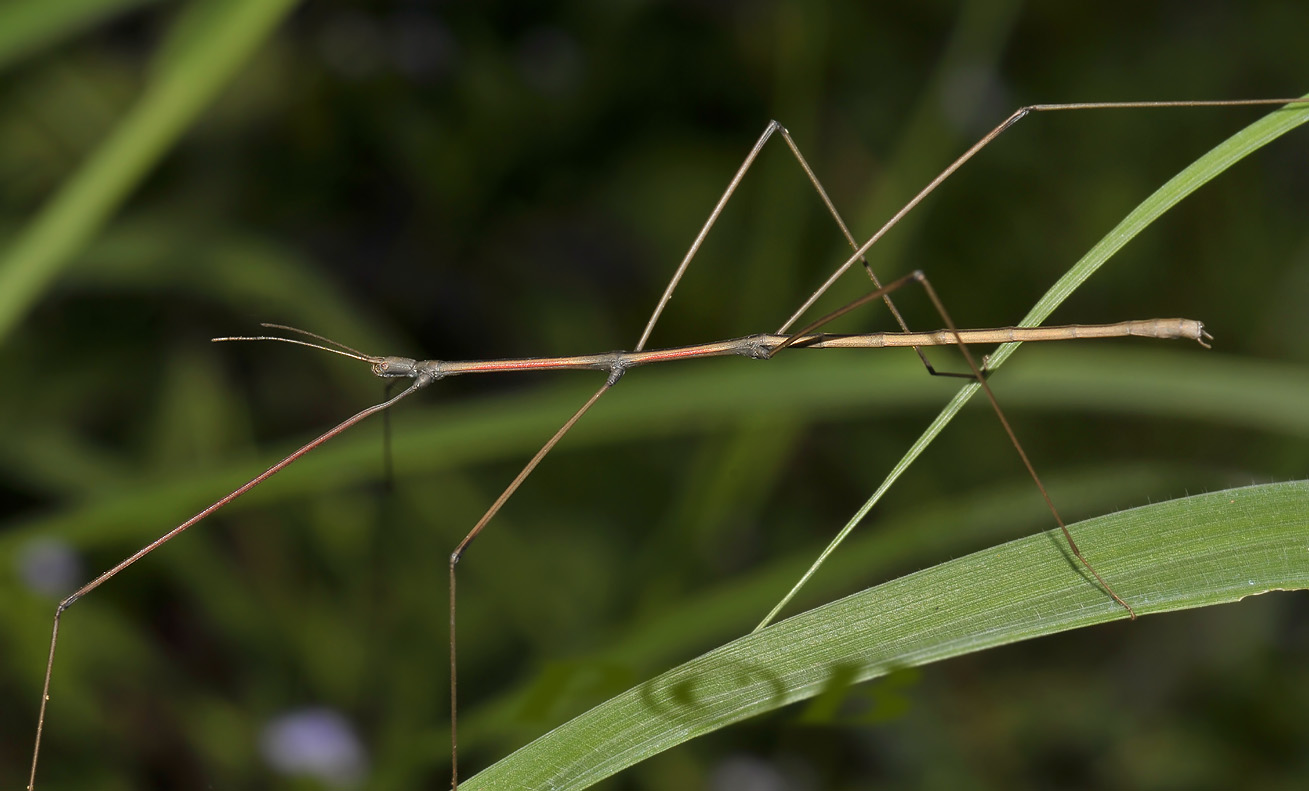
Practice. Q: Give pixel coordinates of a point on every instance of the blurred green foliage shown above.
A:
(477, 180)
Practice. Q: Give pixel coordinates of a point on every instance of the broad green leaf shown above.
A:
(1209, 549)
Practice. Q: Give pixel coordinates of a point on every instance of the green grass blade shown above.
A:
(1203, 170)
(26, 26)
(172, 101)
(1209, 549)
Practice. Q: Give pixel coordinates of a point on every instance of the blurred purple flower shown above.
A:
(741, 772)
(745, 773)
(314, 741)
(49, 567)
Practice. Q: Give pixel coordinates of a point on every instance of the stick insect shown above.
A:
(762, 346)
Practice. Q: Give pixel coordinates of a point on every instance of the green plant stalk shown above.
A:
(183, 87)
(1198, 551)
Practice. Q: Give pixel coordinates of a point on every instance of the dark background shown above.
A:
(479, 180)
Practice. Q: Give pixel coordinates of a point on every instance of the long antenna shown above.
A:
(326, 345)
